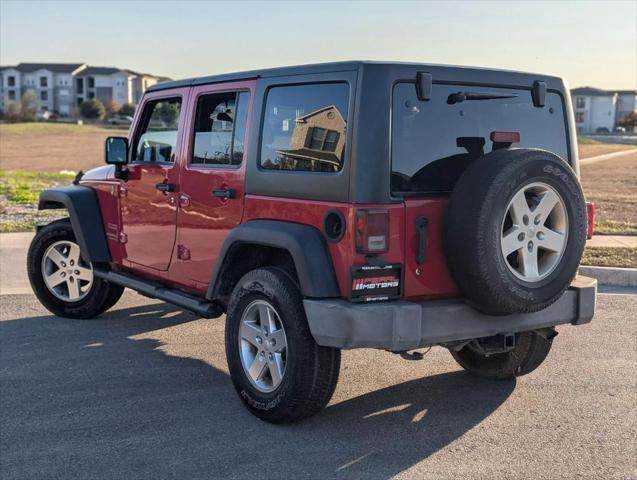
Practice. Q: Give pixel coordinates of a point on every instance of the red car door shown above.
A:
(148, 197)
(212, 176)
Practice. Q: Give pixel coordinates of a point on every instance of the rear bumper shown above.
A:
(402, 325)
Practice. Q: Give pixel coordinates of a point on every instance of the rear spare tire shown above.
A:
(515, 230)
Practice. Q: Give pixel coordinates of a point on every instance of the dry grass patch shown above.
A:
(50, 147)
(612, 186)
(610, 257)
(593, 150)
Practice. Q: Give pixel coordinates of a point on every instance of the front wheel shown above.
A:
(63, 282)
(531, 349)
(277, 368)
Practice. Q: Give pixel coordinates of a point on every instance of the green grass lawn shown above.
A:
(25, 187)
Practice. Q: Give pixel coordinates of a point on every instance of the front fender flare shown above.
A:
(86, 218)
(305, 244)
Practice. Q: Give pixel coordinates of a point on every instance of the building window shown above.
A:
(79, 86)
(44, 82)
(44, 96)
(322, 139)
(91, 95)
(580, 102)
(91, 82)
(579, 117)
(11, 94)
(11, 81)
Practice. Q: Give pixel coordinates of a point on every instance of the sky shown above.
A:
(587, 42)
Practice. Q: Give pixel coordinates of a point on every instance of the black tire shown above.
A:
(102, 295)
(473, 227)
(531, 348)
(311, 372)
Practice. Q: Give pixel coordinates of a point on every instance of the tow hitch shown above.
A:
(487, 346)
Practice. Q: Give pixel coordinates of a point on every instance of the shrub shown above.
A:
(128, 109)
(92, 109)
(13, 112)
(29, 106)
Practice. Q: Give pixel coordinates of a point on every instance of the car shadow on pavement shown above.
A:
(85, 399)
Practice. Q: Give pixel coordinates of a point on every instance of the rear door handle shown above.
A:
(421, 226)
(165, 187)
(224, 193)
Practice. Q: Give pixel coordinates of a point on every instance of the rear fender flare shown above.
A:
(305, 244)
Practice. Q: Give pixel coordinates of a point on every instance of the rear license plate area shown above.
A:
(375, 283)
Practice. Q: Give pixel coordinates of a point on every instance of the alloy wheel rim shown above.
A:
(64, 272)
(534, 232)
(262, 346)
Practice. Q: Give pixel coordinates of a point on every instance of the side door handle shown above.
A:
(421, 226)
(224, 193)
(166, 187)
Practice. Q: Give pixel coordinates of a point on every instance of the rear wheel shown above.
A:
(277, 368)
(63, 282)
(531, 349)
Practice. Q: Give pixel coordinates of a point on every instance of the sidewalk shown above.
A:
(613, 241)
(14, 246)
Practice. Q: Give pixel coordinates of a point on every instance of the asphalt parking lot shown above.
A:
(143, 392)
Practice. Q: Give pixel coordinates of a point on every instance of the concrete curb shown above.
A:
(617, 277)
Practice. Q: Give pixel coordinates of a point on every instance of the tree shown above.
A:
(92, 109)
(111, 107)
(128, 109)
(629, 122)
(168, 112)
(29, 106)
(13, 112)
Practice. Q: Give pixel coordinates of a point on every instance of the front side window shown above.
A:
(304, 127)
(220, 126)
(434, 141)
(156, 138)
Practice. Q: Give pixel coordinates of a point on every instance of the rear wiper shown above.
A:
(462, 96)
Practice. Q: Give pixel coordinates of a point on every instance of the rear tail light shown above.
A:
(590, 214)
(372, 231)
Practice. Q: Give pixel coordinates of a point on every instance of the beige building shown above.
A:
(318, 138)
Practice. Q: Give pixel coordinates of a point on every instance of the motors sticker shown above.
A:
(375, 282)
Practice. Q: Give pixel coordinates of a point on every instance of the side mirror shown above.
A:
(116, 153)
(116, 149)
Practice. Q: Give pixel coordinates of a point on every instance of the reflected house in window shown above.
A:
(317, 142)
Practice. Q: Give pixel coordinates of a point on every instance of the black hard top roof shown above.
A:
(326, 68)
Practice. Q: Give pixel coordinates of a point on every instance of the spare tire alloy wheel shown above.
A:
(64, 272)
(534, 232)
(262, 346)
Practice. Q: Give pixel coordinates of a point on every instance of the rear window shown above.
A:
(304, 127)
(434, 141)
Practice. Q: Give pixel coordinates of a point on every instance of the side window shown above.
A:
(220, 127)
(156, 138)
(304, 127)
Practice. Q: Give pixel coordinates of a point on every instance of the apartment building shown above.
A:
(61, 87)
(599, 110)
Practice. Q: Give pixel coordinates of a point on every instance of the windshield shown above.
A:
(434, 141)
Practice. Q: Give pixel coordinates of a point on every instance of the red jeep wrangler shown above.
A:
(343, 205)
